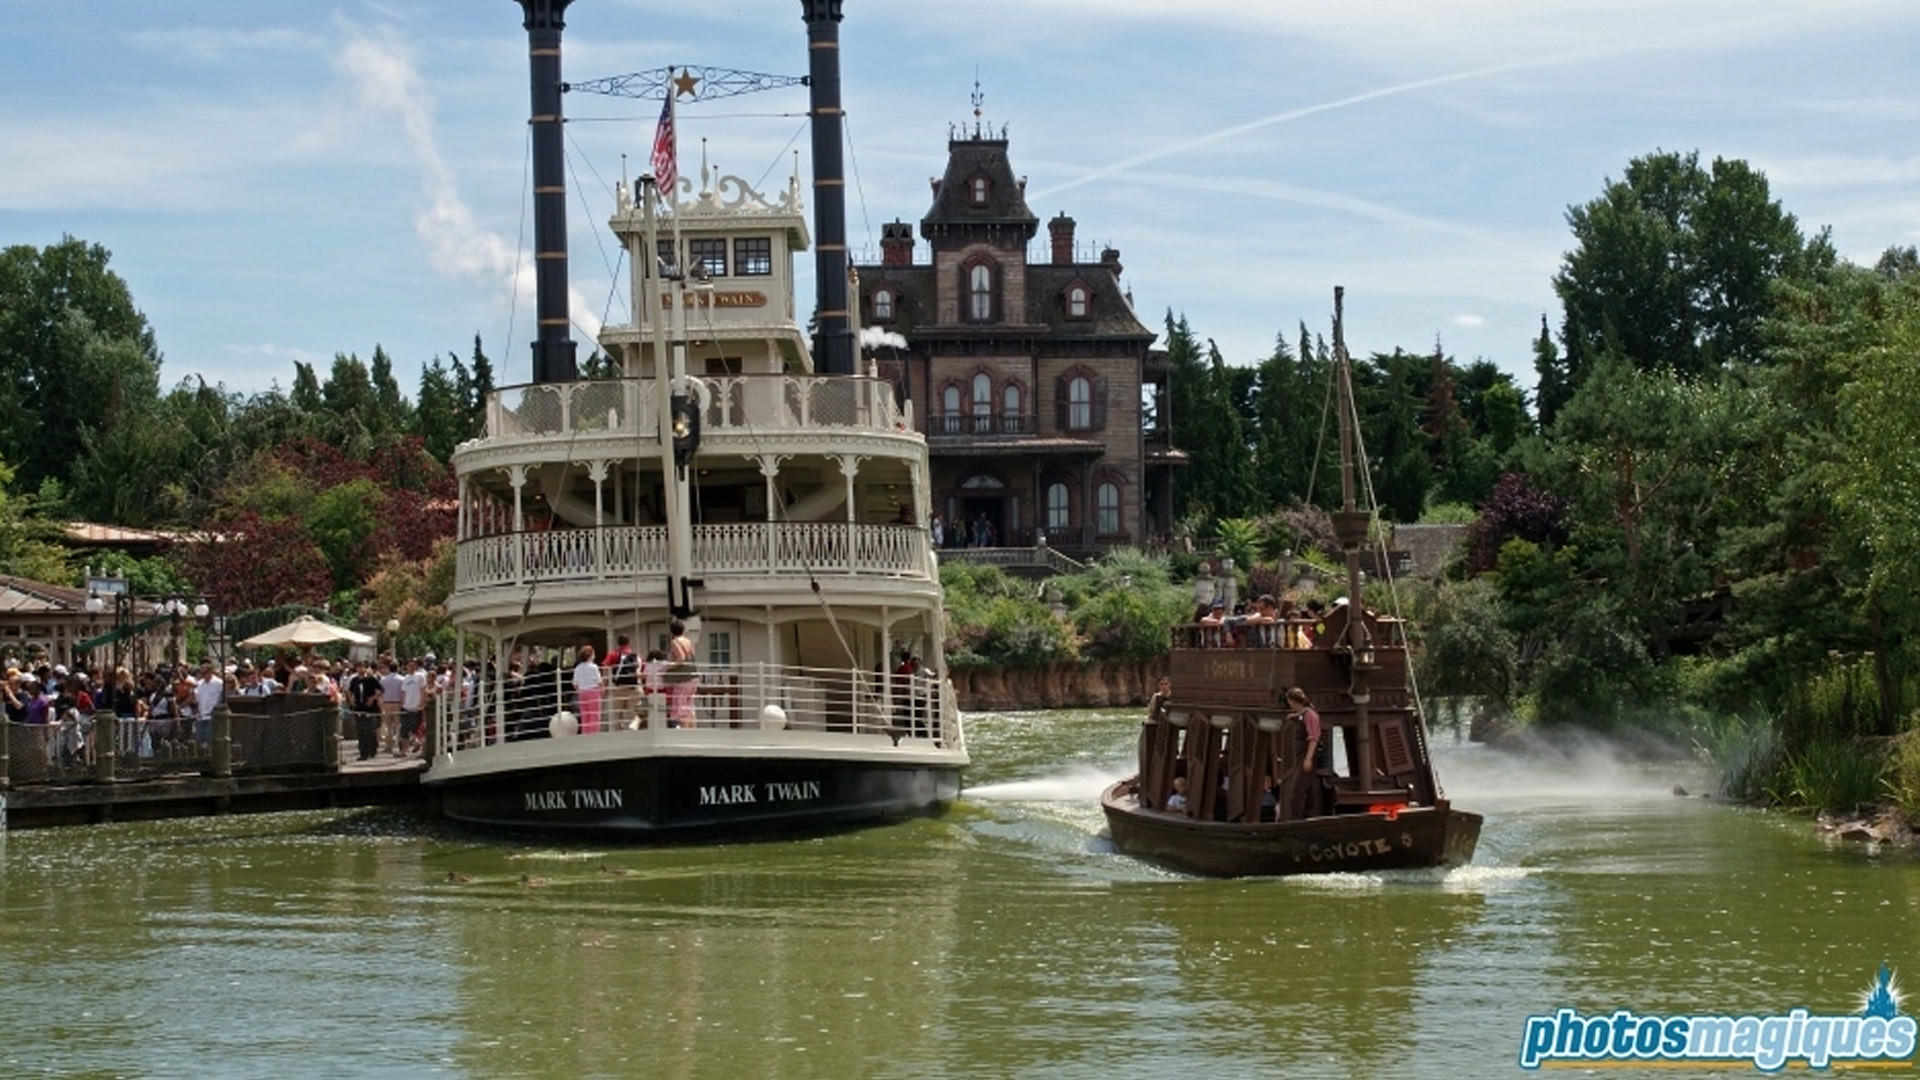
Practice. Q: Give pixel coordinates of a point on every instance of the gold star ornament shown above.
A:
(684, 83)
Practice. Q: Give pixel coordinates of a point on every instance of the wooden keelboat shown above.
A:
(1253, 803)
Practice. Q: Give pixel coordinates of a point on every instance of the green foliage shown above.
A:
(77, 358)
(1744, 749)
(1831, 774)
(1123, 605)
(1902, 776)
(1450, 514)
(1239, 539)
(340, 520)
(1672, 266)
(1470, 651)
(28, 546)
(153, 576)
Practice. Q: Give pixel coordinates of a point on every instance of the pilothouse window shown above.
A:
(753, 256)
(709, 255)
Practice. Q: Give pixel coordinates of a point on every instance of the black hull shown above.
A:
(1420, 836)
(669, 798)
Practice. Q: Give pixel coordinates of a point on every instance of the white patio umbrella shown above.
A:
(305, 630)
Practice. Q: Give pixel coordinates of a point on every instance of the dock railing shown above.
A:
(758, 697)
(279, 733)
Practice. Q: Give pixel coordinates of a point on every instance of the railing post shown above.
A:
(6, 754)
(106, 746)
(222, 741)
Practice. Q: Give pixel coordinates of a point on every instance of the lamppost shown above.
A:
(393, 638)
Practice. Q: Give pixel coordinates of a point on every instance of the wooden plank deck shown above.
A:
(381, 782)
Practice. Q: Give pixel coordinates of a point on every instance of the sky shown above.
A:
(281, 182)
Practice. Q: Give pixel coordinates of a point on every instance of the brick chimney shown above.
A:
(1061, 230)
(1110, 258)
(896, 243)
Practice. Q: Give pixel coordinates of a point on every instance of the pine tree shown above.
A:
(481, 389)
(1553, 389)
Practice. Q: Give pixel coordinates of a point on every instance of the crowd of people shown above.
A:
(964, 533)
(1267, 624)
(171, 706)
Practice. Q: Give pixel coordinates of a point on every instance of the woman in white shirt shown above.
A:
(586, 691)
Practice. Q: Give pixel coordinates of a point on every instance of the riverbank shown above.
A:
(1103, 685)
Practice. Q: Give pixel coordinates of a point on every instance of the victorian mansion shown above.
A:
(1043, 402)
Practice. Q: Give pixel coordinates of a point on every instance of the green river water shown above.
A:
(1005, 939)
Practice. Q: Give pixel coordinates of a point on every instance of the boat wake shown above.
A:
(1073, 784)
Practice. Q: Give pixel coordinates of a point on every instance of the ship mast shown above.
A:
(1350, 527)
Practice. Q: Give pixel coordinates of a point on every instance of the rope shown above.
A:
(858, 188)
(520, 243)
(1320, 442)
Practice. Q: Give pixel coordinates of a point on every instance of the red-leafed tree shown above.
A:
(246, 561)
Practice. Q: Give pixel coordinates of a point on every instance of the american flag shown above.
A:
(663, 171)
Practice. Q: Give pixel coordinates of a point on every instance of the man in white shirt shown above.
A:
(209, 691)
(390, 699)
(413, 692)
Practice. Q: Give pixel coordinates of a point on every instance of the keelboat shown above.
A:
(1237, 780)
(734, 497)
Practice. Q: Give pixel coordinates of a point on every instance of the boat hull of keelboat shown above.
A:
(664, 798)
(1416, 836)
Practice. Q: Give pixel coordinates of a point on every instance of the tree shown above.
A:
(479, 390)
(1672, 265)
(76, 356)
(1553, 388)
(441, 416)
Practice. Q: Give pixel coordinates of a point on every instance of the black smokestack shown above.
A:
(553, 355)
(833, 344)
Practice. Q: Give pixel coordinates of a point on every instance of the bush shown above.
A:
(1834, 774)
(1902, 776)
(1745, 752)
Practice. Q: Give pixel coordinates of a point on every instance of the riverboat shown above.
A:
(1232, 779)
(759, 520)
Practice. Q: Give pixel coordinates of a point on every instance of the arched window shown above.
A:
(882, 304)
(1010, 418)
(1077, 302)
(1106, 501)
(979, 189)
(1057, 517)
(980, 292)
(950, 409)
(982, 402)
(1079, 403)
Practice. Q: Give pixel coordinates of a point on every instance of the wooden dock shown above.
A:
(384, 782)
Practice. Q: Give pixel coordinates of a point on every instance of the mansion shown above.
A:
(1042, 399)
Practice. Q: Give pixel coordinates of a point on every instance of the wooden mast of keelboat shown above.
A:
(1350, 527)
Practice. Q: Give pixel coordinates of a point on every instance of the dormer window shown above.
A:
(882, 304)
(977, 189)
(1076, 301)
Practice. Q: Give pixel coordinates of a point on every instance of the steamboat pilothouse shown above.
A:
(718, 484)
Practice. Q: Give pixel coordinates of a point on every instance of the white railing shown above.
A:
(624, 551)
(758, 404)
(757, 697)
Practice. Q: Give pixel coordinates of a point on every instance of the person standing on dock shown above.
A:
(363, 697)
(390, 697)
(413, 703)
(208, 692)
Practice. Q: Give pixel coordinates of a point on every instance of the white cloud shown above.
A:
(382, 69)
(1471, 322)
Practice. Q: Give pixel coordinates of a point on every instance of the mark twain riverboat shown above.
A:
(1228, 737)
(720, 479)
